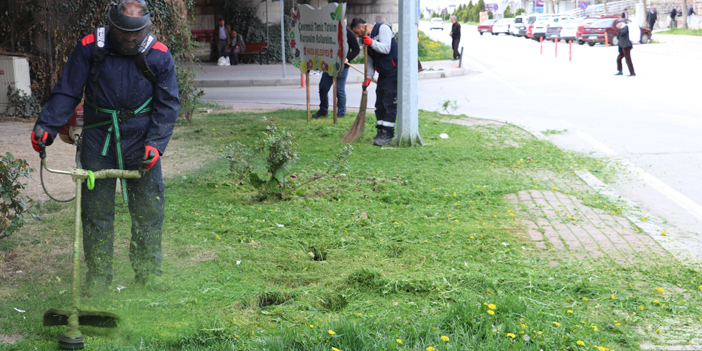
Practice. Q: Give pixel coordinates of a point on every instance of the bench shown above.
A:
(259, 49)
(202, 35)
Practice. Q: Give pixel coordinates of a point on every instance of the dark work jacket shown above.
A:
(119, 85)
(352, 42)
(673, 14)
(623, 37)
(625, 15)
(456, 30)
(385, 64)
(651, 18)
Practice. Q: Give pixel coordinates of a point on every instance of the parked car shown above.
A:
(573, 29)
(486, 26)
(596, 32)
(554, 31)
(436, 23)
(518, 28)
(530, 21)
(502, 26)
(545, 21)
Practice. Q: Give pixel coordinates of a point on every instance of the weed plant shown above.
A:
(411, 249)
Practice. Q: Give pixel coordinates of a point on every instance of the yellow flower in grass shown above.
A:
(612, 296)
(584, 298)
(491, 312)
(430, 348)
(335, 349)
(445, 338)
(569, 311)
(492, 306)
(311, 326)
(398, 341)
(580, 342)
(659, 289)
(557, 324)
(641, 308)
(656, 301)
(331, 332)
(511, 335)
(594, 328)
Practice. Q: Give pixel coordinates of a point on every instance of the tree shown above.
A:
(490, 14)
(519, 12)
(508, 12)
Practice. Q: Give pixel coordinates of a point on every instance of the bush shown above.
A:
(508, 12)
(190, 96)
(12, 204)
(279, 148)
(519, 12)
(21, 104)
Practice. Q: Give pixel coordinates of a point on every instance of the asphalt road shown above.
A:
(654, 120)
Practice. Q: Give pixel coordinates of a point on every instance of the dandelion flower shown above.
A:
(492, 306)
(644, 218)
(580, 342)
(398, 341)
(335, 349)
(594, 328)
(613, 297)
(664, 233)
(491, 312)
(311, 326)
(445, 338)
(430, 348)
(511, 335)
(454, 194)
(641, 308)
(656, 301)
(659, 289)
(554, 188)
(584, 298)
(331, 332)
(569, 311)
(557, 324)
(658, 330)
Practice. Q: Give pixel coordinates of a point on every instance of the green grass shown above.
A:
(411, 245)
(680, 31)
(430, 50)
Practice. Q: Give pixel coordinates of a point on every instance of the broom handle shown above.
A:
(361, 72)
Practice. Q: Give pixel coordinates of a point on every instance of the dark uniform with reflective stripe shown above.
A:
(386, 90)
(122, 87)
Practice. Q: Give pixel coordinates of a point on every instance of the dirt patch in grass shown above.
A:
(470, 122)
(10, 339)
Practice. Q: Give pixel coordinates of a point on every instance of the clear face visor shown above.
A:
(127, 33)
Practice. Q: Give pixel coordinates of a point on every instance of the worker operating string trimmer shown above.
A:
(131, 105)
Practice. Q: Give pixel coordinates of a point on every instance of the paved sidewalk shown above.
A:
(209, 75)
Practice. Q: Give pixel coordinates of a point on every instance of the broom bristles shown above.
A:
(357, 127)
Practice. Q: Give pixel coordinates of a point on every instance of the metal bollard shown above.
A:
(460, 60)
(606, 39)
(541, 42)
(570, 50)
(555, 42)
(302, 81)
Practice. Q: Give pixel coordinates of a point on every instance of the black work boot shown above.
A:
(385, 137)
(319, 114)
(377, 135)
(619, 73)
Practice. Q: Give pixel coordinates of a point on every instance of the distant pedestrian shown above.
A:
(327, 81)
(625, 14)
(222, 34)
(651, 18)
(673, 15)
(625, 47)
(236, 45)
(456, 35)
(690, 12)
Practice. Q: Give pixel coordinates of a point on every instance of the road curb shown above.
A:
(314, 79)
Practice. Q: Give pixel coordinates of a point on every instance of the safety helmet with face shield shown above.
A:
(129, 25)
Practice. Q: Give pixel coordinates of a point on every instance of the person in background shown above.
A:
(222, 35)
(236, 45)
(456, 35)
(673, 15)
(625, 14)
(327, 81)
(382, 57)
(690, 12)
(624, 49)
(651, 18)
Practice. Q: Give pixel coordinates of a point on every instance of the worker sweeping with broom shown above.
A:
(131, 105)
(382, 57)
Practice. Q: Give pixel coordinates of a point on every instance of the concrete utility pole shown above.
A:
(282, 34)
(407, 125)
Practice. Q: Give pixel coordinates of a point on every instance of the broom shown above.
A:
(357, 127)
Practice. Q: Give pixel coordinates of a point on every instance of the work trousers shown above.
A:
(625, 53)
(325, 84)
(386, 103)
(456, 41)
(146, 208)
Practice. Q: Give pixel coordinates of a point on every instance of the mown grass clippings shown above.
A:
(418, 244)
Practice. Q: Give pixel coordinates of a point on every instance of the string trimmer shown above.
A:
(72, 317)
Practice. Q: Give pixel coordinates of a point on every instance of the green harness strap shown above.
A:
(114, 129)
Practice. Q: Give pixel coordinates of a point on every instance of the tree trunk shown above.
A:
(685, 15)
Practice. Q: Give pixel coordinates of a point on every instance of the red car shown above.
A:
(486, 26)
(596, 32)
